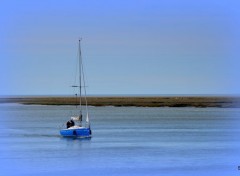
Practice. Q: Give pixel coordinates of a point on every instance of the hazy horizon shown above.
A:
(125, 95)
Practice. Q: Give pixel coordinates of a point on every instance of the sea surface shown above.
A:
(126, 141)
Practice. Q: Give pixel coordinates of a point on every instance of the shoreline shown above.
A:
(143, 101)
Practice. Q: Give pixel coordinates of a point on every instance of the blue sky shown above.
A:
(129, 47)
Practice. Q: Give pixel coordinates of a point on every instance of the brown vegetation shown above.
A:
(132, 101)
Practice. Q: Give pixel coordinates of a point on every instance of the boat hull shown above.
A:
(76, 132)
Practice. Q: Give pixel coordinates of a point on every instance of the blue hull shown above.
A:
(82, 132)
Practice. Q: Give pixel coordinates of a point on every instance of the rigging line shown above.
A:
(85, 92)
(80, 76)
(76, 69)
(75, 74)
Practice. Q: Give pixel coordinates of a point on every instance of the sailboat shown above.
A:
(75, 127)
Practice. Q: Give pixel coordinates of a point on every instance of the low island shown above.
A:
(143, 101)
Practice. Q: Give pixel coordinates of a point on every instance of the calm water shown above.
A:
(126, 141)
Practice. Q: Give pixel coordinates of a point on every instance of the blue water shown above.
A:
(126, 141)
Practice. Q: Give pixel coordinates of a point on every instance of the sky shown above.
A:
(128, 46)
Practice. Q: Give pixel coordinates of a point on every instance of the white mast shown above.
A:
(80, 76)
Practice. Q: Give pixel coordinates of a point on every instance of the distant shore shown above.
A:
(178, 101)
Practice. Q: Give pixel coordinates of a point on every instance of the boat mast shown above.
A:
(80, 76)
(82, 80)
